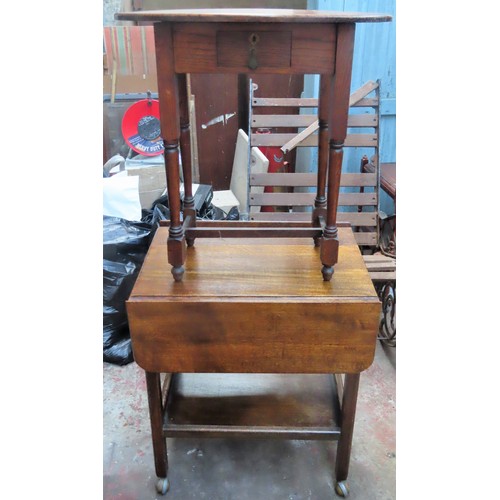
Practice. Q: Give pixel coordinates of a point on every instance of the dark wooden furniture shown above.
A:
(246, 308)
(243, 41)
(388, 184)
(249, 342)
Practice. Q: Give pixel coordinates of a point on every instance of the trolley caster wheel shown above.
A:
(162, 486)
(342, 489)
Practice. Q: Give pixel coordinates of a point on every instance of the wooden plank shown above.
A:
(382, 276)
(265, 121)
(357, 199)
(307, 199)
(297, 102)
(292, 143)
(282, 199)
(378, 258)
(368, 219)
(355, 180)
(268, 121)
(307, 102)
(277, 140)
(379, 266)
(362, 92)
(283, 179)
(364, 120)
(309, 180)
(366, 238)
(252, 432)
(361, 140)
(353, 218)
(281, 216)
(367, 102)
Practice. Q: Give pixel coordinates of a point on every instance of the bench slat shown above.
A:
(309, 180)
(378, 258)
(267, 121)
(278, 140)
(379, 266)
(306, 102)
(382, 276)
(293, 102)
(368, 219)
(365, 238)
(307, 199)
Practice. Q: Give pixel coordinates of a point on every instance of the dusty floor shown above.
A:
(224, 469)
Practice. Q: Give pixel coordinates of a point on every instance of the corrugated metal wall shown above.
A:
(374, 59)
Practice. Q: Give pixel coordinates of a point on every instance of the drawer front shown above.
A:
(254, 48)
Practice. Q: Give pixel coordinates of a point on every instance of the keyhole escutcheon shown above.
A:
(252, 56)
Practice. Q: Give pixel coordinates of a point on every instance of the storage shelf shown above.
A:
(253, 405)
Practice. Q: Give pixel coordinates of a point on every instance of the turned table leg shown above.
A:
(323, 108)
(170, 128)
(349, 401)
(338, 96)
(185, 143)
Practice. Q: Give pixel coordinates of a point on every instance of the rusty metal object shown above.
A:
(387, 328)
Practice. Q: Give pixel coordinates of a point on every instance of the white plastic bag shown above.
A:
(121, 197)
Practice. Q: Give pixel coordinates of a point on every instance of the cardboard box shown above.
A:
(152, 178)
(225, 200)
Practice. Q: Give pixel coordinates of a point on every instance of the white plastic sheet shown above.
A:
(121, 196)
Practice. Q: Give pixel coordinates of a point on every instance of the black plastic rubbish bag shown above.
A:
(125, 245)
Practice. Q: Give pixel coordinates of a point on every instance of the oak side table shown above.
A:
(256, 41)
(249, 342)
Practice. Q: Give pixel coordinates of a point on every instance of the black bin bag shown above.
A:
(125, 244)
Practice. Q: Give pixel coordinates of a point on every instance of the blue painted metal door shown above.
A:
(374, 59)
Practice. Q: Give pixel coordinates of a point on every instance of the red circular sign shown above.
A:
(141, 127)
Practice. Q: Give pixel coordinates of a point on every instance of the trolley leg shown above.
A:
(156, 417)
(349, 401)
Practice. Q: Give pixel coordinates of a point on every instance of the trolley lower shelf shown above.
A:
(252, 405)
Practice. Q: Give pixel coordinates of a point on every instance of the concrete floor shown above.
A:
(224, 469)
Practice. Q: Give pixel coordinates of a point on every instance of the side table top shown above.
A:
(252, 16)
(271, 269)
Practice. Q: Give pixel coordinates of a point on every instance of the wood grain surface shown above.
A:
(253, 405)
(255, 305)
(252, 15)
(282, 48)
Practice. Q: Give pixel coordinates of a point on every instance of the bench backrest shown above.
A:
(359, 195)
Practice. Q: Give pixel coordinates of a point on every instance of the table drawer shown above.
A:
(254, 48)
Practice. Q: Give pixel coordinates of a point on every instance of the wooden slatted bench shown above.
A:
(292, 194)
